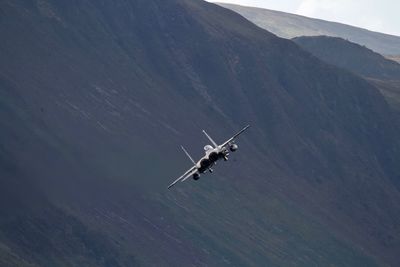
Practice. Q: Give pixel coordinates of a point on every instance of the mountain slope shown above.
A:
(351, 56)
(288, 25)
(395, 58)
(384, 73)
(98, 96)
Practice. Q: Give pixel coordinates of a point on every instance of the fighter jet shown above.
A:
(213, 153)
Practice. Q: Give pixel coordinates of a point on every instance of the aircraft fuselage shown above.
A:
(211, 157)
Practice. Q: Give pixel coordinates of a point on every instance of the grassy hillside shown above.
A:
(382, 72)
(288, 25)
(395, 58)
(96, 98)
(351, 56)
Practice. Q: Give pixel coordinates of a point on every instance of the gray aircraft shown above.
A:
(213, 153)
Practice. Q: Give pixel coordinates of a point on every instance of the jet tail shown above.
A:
(187, 154)
(211, 140)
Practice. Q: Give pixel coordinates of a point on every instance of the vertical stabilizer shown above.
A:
(187, 154)
(209, 138)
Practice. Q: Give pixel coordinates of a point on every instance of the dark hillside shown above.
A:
(97, 96)
(351, 56)
(382, 72)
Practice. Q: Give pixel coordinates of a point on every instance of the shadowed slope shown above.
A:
(104, 94)
(382, 72)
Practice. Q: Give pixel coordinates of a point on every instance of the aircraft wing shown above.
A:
(187, 174)
(236, 135)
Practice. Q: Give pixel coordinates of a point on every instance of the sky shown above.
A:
(376, 15)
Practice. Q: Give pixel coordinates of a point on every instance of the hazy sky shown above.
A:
(376, 15)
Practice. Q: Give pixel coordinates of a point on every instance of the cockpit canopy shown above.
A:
(208, 147)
